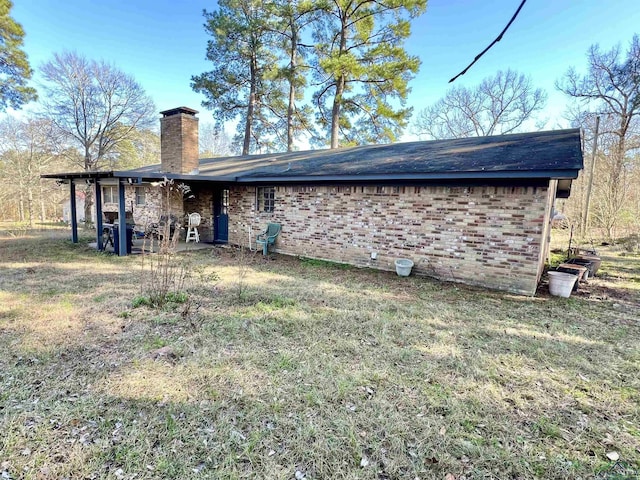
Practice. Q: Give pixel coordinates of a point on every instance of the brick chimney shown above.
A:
(179, 141)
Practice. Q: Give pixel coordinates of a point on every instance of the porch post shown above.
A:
(74, 216)
(122, 221)
(98, 196)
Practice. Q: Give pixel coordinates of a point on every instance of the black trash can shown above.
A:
(116, 239)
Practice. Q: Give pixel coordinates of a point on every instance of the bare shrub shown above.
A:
(164, 275)
(243, 264)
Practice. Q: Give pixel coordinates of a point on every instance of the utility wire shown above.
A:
(498, 38)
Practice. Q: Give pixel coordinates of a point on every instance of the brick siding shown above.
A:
(488, 236)
(199, 201)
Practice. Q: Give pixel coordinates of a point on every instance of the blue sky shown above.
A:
(162, 43)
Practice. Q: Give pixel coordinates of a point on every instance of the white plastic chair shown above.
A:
(192, 228)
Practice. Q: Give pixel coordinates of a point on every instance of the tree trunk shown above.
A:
(335, 112)
(43, 210)
(21, 206)
(88, 204)
(250, 108)
(340, 85)
(292, 86)
(290, 109)
(88, 199)
(30, 189)
(30, 205)
(584, 225)
(21, 190)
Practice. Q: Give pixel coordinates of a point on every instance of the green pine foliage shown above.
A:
(290, 21)
(15, 71)
(266, 53)
(141, 147)
(243, 81)
(364, 69)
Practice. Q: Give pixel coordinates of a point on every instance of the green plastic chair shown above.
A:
(268, 237)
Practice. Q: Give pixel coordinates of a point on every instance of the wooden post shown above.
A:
(594, 150)
(74, 216)
(122, 221)
(98, 196)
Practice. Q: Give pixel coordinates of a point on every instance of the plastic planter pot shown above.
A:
(561, 284)
(403, 267)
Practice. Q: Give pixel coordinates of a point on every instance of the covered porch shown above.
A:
(131, 211)
(152, 245)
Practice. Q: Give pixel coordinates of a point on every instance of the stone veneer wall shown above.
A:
(488, 236)
(143, 215)
(198, 200)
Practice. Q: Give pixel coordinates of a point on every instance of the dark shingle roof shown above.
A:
(552, 154)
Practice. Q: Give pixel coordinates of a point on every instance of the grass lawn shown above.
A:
(282, 368)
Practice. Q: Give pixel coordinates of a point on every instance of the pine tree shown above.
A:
(14, 66)
(290, 19)
(243, 80)
(364, 70)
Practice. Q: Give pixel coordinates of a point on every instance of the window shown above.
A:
(140, 196)
(266, 199)
(110, 194)
(225, 202)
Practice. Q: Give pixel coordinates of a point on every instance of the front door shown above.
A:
(221, 216)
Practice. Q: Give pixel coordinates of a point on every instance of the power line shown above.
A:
(498, 38)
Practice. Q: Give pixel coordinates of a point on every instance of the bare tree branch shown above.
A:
(499, 105)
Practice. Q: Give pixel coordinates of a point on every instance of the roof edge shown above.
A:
(550, 174)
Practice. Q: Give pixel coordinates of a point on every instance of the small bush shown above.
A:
(243, 263)
(159, 301)
(176, 297)
(165, 274)
(631, 243)
(141, 301)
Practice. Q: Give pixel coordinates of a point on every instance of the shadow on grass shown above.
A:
(315, 370)
(258, 399)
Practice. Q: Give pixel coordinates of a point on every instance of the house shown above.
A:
(66, 208)
(473, 210)
(80, 201)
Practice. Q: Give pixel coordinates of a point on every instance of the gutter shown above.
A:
(137, 177)
(404, 177)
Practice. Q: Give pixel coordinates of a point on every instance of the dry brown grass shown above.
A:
(332, 372)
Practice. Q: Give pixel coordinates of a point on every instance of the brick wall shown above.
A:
(488, 236)
(200, 201)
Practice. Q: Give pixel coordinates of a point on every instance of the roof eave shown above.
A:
(155, 176)
(78, 175)
(132, 174)
(541, 174)
(404, 177)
